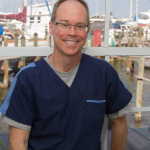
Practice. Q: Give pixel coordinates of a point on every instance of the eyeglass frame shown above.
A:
(56, 23)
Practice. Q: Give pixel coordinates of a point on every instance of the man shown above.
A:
(59, 102)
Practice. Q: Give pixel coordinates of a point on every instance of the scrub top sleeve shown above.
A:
(18, 104)
(117, 94)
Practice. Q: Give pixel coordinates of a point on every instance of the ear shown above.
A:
(87, 31)
(51, 28)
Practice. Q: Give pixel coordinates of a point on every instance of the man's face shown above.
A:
(69, 42)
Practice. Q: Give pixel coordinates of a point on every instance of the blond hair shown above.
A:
(61, 1)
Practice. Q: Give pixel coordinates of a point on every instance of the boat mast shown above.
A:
(23, 3)
(130, 9)
(137, 11)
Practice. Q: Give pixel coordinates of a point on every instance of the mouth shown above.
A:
(70, 42)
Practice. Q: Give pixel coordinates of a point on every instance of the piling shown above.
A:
(92, 40)
(103, 35)
(128, 58)
(133, 42)
(119, 42)
(22, 30)
(35, 39)
(23, 61)
(129, 41)
(128, 65)
(5, 40)
(15, 31)
(46, 32)
(146, 39)
(139, 87)
(6, 63)
(16, 40)
(5, 81)
(49, 39)
(23, 45)
(22, 41)
(35, 45)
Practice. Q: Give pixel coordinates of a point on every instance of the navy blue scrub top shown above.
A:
(64, 118)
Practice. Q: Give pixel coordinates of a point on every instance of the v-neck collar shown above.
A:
(58, 84)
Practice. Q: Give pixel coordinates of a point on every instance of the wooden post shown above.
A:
(140, 32)
(23, 61)
(128, 58)
(146, 36)
(5, 81)
(22, 30)
(133, 43)
(49, 41)
(119, 42)
(16, 40)
(35, 39)
(46, 33)
(5, 40)
(6, 63)
(22, 41)
(92, 40)
(35, 45)
(128, 65)
(129, 41)
(15, 31)
(23, 45)
(139, 87)
(103, 35)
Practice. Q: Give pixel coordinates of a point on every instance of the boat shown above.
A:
(144, 18)
(33, 18)
(97, 22)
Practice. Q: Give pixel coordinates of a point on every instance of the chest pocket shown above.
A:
(95, 111)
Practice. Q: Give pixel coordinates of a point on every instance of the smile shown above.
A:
(70, 42)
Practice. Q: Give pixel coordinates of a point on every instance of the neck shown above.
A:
(64, 63)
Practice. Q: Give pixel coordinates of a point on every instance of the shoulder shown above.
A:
(101, 64)
(31, 71)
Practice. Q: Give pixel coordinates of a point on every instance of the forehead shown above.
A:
(72, 12)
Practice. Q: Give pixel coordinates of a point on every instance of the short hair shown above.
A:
(61, 1)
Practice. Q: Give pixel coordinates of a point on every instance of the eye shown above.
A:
(80, 27)
(64, 25)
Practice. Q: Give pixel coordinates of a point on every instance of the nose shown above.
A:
(72, 30)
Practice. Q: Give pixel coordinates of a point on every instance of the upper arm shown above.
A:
(18, 138)
(119, 122)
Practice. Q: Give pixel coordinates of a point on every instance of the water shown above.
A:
(130, 81)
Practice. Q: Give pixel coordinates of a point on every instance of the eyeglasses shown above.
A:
(67, 27)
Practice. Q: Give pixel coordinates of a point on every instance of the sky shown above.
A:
(119, 8)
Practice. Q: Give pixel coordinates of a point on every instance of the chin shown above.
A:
(71, 52)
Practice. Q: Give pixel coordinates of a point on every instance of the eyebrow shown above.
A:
(77, 22)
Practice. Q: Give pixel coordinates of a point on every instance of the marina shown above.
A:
(35, 33)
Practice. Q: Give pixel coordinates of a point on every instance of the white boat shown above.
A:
(36, 19)
(144, 18)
